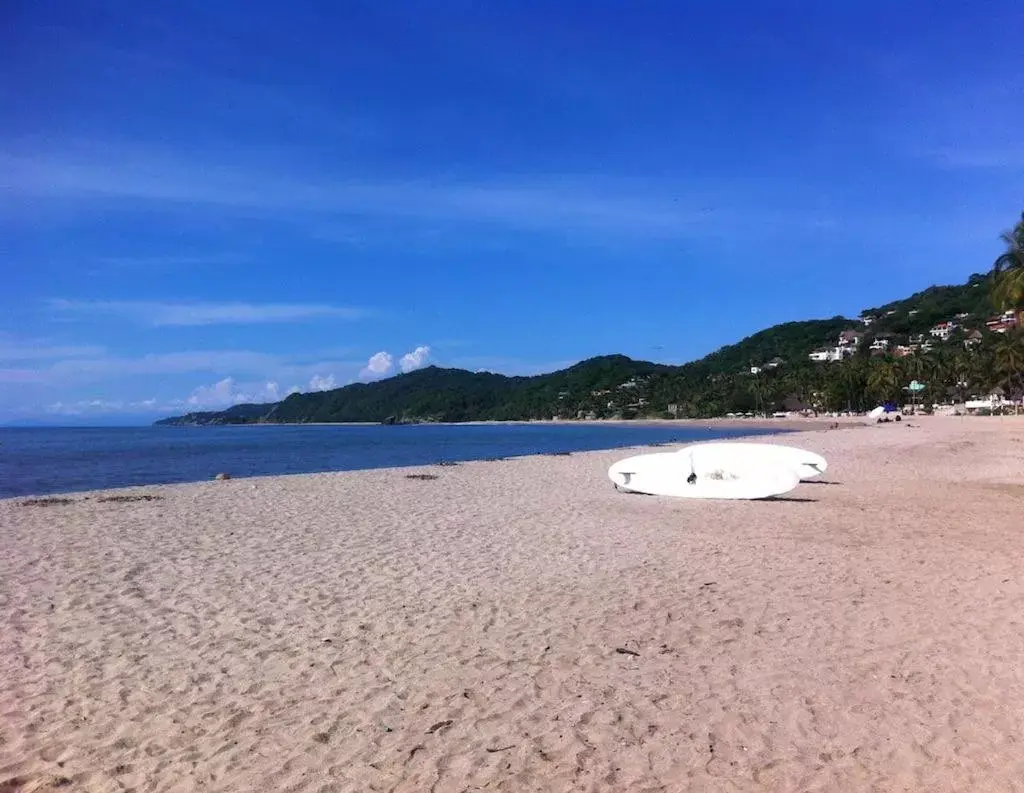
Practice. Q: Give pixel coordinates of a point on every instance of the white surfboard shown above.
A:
(876, 412)
(808, 464)
(697, 475)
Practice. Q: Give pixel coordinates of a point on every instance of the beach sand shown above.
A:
(521, 626)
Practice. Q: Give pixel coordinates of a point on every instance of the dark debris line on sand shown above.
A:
(51, 501)
(128, 498)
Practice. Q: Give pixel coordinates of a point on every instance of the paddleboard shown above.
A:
(807, 464)
(699, 475)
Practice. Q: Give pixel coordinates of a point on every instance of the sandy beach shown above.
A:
(519, 625)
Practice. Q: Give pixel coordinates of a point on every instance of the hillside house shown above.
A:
(835, 354)
(774, 363)
(917, 338)
(849, 338)
(962, 315)
(973, 338)
(943, 330)
(1005, 321)
(879, 344)
(902, 351)
(867, 319)
(755, 370)
(927, 347)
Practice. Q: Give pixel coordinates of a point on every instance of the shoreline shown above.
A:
(724, 422)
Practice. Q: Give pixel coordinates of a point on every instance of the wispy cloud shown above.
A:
(170, 261)
(169, 363)
(160, 314)
(83, 407)
(15, 349)
(155, 177)
(21, 376)
(1009, 156)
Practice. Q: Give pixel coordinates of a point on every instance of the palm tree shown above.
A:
(1009, 360)
(961, 368)
(916, 366)
(884, 381)
(758, 391)
(1008, 270)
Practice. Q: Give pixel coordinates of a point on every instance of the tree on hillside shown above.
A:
(1008, 270)
(884, 381)
(1009, 361)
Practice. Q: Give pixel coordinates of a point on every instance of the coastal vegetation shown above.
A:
(960, 341)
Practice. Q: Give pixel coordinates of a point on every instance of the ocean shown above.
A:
(61, 460)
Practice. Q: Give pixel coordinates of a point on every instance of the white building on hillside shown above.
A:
(835, 354)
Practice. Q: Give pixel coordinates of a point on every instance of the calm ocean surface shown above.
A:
(39, 461)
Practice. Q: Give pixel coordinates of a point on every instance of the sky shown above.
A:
(208, 203)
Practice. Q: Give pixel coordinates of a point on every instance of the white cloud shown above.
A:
(322, 383)
(415, 359)
(223, 392)
(379, 365)
(227, 392)
(215, 361)
(160, 314)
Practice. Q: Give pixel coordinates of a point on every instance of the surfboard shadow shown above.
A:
(818, 482)
(794, 499)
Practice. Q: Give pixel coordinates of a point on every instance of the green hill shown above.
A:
(790, 341)
(436, 394)
(761, 372)
(922, 310)
(236, 414)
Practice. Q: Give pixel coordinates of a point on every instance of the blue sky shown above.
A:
(209, 202)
